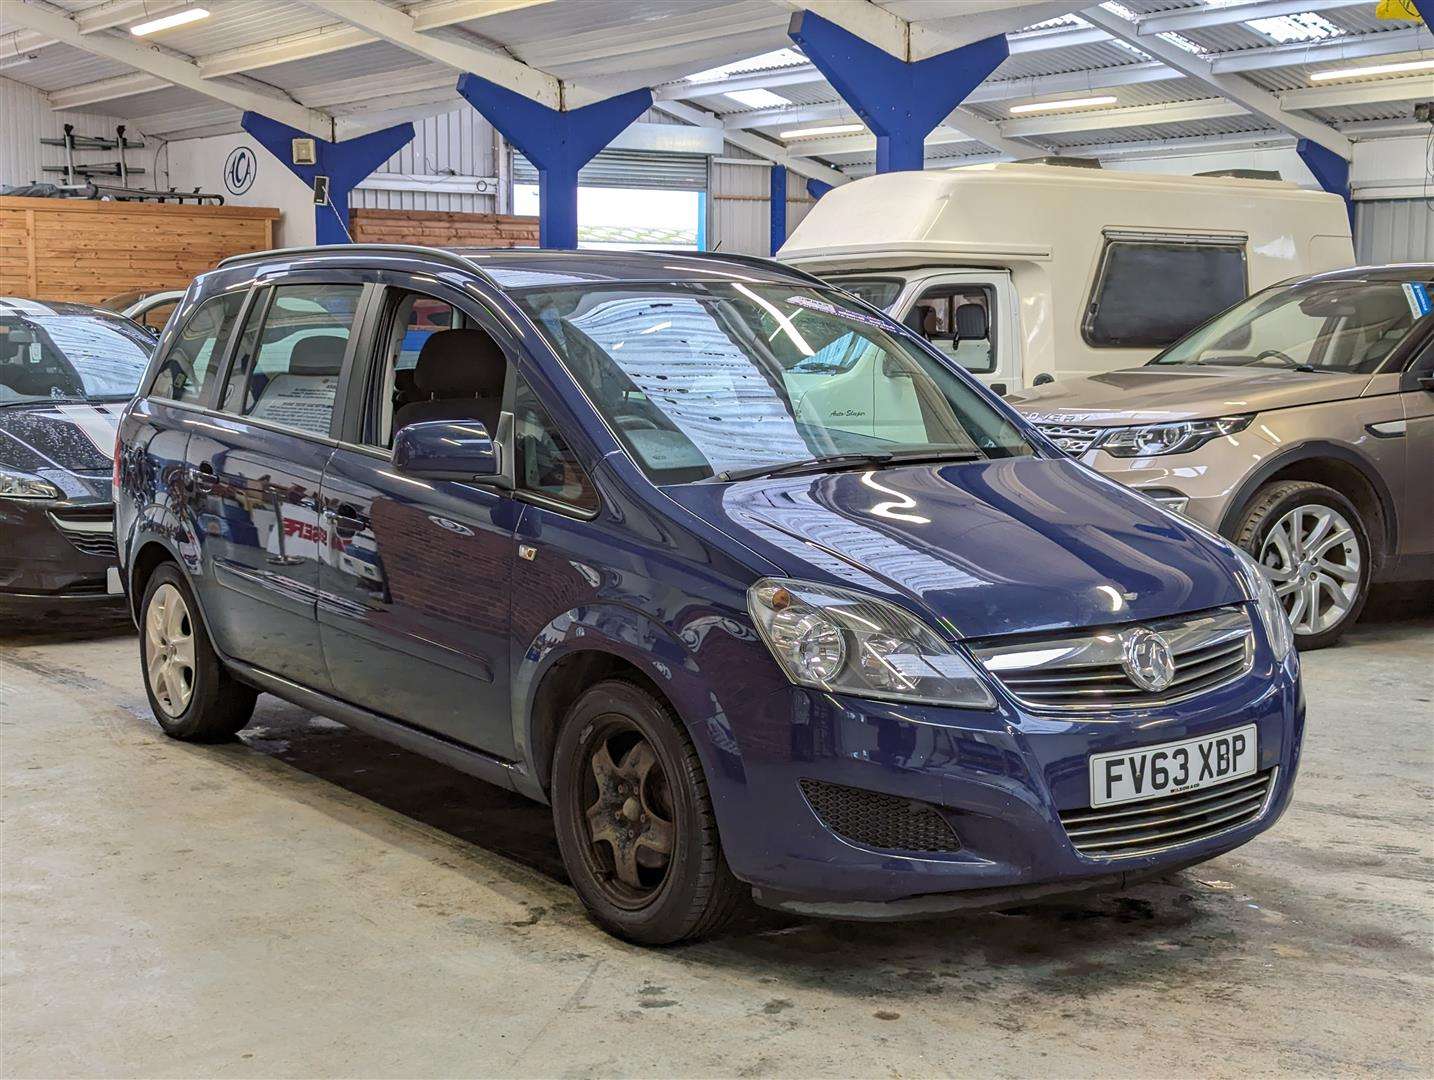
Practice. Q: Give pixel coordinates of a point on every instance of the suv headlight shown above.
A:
(15, 484)
(1180, 437)
(851, 643)
(1272, 612)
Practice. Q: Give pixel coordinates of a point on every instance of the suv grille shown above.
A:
(1141, 828)
(1073, 440)
(89, 528)
(879, 821)
(1087, 671)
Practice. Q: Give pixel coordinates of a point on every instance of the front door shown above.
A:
(414, 586)
(1417, 517)
(255, 467)
(970, 316)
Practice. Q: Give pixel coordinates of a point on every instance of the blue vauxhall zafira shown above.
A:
(767, 598)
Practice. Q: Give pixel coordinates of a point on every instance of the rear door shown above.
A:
(255, 469)
(415, 583)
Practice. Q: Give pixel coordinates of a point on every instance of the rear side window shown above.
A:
(197, 351)
(1150, 293)
(286, 370)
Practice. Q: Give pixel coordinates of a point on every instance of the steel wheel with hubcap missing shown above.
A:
(169, 650)
(634, 819)
(627, 813)
(1312, 556)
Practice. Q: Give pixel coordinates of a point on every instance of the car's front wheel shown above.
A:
(634, 820)
(1314, 547)
(190, 693)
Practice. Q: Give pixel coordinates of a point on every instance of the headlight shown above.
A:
(851, 643)
(1272, 611)
(1153, 440)
(22, 485)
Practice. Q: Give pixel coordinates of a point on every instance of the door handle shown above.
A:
(347, 519)
(203, 477)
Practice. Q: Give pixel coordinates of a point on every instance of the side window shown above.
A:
(546, 466)
(286, 370)
(960, 321)
(1149, 294)
(196, 352)
(414, 319)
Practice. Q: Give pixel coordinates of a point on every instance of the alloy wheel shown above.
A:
(169, 650)
(628, 822)
(1311, 556)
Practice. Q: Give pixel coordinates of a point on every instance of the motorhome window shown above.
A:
(878, 292)
(706, 378)
(1151, 293)
(960, 320)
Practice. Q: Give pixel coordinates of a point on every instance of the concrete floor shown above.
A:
(310, 901)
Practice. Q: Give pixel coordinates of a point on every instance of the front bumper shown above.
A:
(55, 556)
(1000, 779)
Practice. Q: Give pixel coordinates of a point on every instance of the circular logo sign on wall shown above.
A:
(239, 170)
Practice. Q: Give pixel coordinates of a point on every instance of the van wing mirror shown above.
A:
(450, 450)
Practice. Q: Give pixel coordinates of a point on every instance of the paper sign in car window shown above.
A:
(1417, 293)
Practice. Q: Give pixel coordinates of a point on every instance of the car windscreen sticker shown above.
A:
(1417, 293)
(832, 309)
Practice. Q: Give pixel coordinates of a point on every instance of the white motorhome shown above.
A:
(1028, 271)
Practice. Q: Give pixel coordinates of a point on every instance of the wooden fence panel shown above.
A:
(442, 228)
(87, 250)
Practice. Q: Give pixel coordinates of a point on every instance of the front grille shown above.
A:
(1073, 440)
(1151, 825)
(1087, 671)
(879, 821)
(89, 528)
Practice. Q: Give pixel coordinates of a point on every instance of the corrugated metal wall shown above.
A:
(1394, 230)
(26, 118)
(458, 142)
(741, 208)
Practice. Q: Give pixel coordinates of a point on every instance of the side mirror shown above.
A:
(448, 450)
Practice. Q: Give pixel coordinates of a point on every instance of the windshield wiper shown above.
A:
(911, 457)
(807, 465)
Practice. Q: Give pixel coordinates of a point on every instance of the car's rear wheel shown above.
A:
(1314, 547)
(634, 820)
(190, 693)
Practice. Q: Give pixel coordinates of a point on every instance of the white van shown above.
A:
(1027, 272)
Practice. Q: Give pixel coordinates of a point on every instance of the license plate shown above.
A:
(113, 586)
(1153, 772)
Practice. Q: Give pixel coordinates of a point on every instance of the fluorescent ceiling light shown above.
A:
(1373, 69)
(168, 22)
(829, 129)
(777, 58)
(1306, 26)
(757, 99)
(1180, 41)
(1064, 103)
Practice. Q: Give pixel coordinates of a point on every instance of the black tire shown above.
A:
(218, 706)
(1269, 507)
(695, 895)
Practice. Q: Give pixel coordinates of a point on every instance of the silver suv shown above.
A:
(1299, 423)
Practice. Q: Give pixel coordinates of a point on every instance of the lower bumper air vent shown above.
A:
(1151, 825)
(876, 820)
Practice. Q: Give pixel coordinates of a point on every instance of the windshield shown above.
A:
(880, 293)
(83, 357)
(716, 378)
(1343, 326)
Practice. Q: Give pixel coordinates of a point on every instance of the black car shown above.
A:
(66, 371)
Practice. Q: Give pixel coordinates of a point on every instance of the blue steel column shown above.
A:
(558, 143)
(817, 188)
(346, 164)
(900, 101)
(1331, 170)
(779, 207)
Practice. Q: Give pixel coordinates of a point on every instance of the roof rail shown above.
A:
(756, 262)
(340, 249)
